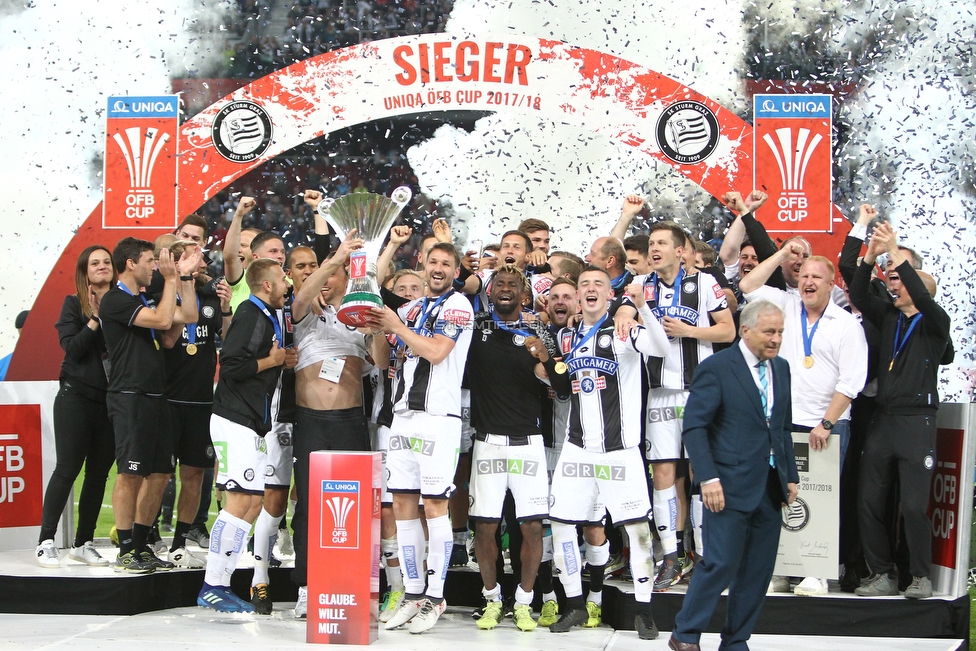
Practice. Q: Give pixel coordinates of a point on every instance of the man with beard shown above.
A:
(434, 335)
(600, 467)
(508, 453)
(329, 389)
(250, 362)
(135, 400)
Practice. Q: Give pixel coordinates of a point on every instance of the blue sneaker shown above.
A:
(222, 599)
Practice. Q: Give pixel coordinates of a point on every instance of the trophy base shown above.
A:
(355, 308)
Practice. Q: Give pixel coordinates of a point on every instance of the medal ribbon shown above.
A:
(425, 312)
(677, 287)
(515, 331)
(808, 337)
(125, 289)
(901, 341)
(191, 328)
(586, 338)
(274, 322)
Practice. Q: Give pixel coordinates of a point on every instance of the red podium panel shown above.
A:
(343, 547)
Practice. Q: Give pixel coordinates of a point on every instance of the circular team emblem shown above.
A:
(687, 132)
(929, 462)
(688, 287)
(796, 516)
(587, 385)
(210, 452)
(605, 341)
(208, 311)
(552, 500)
(450, 329)
(249, 474)
(518, 340)
(242, 131)
(269, 471)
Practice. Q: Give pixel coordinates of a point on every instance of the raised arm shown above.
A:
(632, 205)
(398, 236)
(847, 264)
(732, 242)
(758, 276)
(233, 268)
(162, 317)
(312, 287)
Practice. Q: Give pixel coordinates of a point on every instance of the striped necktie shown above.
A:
(764, 396)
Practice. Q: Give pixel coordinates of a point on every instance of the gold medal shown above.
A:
(808, 361)
(560, 367)
(891, 365)
(157, 343)
(191, 349)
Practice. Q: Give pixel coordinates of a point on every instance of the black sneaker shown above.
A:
(575, 617)
(133, 563)
(274, 561)
(480, 610)
(261, 599)
(156, 561)
(645, 626)
(459, 556)
(668, 575)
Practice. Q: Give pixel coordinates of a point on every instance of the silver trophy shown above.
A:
(372, 215)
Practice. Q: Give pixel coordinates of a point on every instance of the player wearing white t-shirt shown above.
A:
(434, 334)
(600, 467)
(694, 313)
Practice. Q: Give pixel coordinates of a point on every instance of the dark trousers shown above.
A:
(82, 437)
(898, 447)
(339, 429)
(741, 555)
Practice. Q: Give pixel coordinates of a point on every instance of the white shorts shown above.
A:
(242, 456)
(423, 454)
(281, 456)
(665, 418)
(587, 484)
(496, 469)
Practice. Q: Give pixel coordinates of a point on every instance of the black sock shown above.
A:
(681, 545)
(140, 536)
(125, 540)
(543, 580)
(575, 603)
(596, 577)
(179, 537)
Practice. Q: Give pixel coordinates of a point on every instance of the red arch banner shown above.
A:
(627, 102)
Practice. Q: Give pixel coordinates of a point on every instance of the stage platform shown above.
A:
(170, 597)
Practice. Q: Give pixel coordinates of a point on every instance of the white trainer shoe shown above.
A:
(47, 554)
(427, 617)
(404, 612)
(88, 555)
(811, 587)
(182, 557)
(301, 606)
(286, 547)
(778, 584)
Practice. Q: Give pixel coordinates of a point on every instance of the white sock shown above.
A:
(440, 544)
(548, 596)
(546, 544)
(599, 554)
(291, 506)
(461, 538)
(523, 598)
(410, 547)
(666, 518)
(495, 594)
(265, 535)
(566, 555)
(696, 523)
(595, 597)
(226, 541)
(641, 561)
(394, 578)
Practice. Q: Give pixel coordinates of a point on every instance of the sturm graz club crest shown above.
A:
(687, 132)
(242, 131)
(796, 516)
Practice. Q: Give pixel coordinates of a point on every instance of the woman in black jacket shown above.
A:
(82, 431)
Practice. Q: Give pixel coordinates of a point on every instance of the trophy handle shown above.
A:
(401, 196)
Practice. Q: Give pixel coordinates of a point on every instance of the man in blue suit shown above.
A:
(737, 433)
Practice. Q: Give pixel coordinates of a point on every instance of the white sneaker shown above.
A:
(88, 555)
(301, 606)
(182, 557)
(811, 587)
(286, 547)
(427, 617)
(778, 584)
(404, 612)
(47, 554)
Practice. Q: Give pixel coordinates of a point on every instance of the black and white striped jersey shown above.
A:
(434, 388)
(699, 296)
(605, 379)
